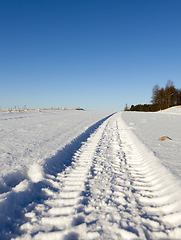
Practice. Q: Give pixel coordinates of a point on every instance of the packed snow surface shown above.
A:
(90, 175)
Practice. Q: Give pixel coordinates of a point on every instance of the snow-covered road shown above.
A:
(112, 188)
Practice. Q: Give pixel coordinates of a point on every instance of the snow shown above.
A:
(172, 110)
(149, 127)
(90, 175)
(31, 137)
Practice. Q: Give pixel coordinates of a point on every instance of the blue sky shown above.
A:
(95, 54)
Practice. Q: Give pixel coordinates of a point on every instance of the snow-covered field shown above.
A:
(90, 175)
(149, 127)
(32, 137)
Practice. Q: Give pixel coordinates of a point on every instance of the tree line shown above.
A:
(162, 98)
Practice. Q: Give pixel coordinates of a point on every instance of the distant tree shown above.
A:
(178, 96)
(126, 107)
(158, 97)
(162, 98)
(142, 108)
(170, 94)
(155, 93)
(165, 97)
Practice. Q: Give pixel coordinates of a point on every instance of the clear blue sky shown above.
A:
(95, 54)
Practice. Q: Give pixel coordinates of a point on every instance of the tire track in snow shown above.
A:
(114, 189)
(157, 194)
(23, 190)
(132, 195)
(61, 215)
(114, 212)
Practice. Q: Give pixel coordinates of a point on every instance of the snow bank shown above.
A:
(172, 110)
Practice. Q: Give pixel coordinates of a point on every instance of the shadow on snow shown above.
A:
(14, 204)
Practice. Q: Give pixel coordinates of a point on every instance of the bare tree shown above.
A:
(126, 107)
(155, 93)
(170, 94)
(178, 97)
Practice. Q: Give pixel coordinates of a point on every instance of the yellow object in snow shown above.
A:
(164, 137)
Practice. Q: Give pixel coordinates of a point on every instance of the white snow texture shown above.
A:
(90, 175)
